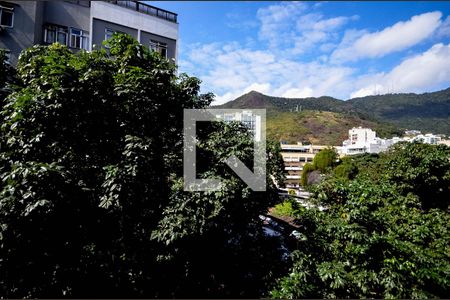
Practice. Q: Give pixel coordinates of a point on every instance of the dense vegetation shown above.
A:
(321, 164)
(428, 112)
(91, 196)
(385, 233)
(92, 201)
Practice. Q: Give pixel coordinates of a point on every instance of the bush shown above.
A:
(346, 170)
(285, 209)
(385, 233)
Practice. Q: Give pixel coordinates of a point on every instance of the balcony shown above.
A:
(293, 168)
(146, 9)
(291, 159)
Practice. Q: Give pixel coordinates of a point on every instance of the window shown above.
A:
(55, 34)
(7, 55)
(78, 39)
(6, 16)
(159, 47)
(108, 33)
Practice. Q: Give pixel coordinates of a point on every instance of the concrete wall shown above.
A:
(94, 17)
(67, 14)
(171, 44)
(22, 35)
(149, 25)
(98, 30)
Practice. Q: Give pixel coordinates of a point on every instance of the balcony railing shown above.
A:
(147, 9)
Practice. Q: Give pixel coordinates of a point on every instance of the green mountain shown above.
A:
(257, 100)
(319, 127)
(428, 112)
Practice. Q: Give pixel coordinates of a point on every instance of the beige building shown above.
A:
(295, 156)
(444, 142)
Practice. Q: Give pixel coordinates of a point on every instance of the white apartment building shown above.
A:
(427, 138)
(252, 121)
(295, 156)
(364, 140)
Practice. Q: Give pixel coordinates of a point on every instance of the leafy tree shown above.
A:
(307, 168)
(379, 237)
(7, 76)
(325, 159)
(347, 169)
(421, 169)
(91, 199)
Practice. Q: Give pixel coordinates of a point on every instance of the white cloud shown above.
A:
(276, 21)
(236, 71)
(240, 20)
(298, 93)
(420, 73)
(294, 27)
(400, 36)
(313, 29)
(232, 69)
(444, 29)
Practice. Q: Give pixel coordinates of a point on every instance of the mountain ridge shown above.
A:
(428, 112)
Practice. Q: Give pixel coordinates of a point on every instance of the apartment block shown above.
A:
(251, 120)
(295, 156)
(364, 140)
(85, 25)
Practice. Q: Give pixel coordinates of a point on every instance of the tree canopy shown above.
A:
(385, 233)
(91, 198)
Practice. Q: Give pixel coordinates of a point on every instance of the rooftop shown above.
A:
(147, 9)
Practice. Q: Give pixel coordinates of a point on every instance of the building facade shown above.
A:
(295, 156)
(364, 140)
(85, 25)
(252, 121)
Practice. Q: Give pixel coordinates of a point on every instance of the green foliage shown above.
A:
(325, 159)
(91, 198)
(427, 112)
(383, 234)
(7, 77)
(421, 169)
(285, 209)
(307, 168)
(347, 169)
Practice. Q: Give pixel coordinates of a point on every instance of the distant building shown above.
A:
(246, 117)
(427, 138)
(83, 24)
(364, 140)
(295, 156)
(444, 142)
(412, 132)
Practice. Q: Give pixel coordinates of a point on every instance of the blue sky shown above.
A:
(302, 49)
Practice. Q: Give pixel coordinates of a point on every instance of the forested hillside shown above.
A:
(319, 127)
(428, 112)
